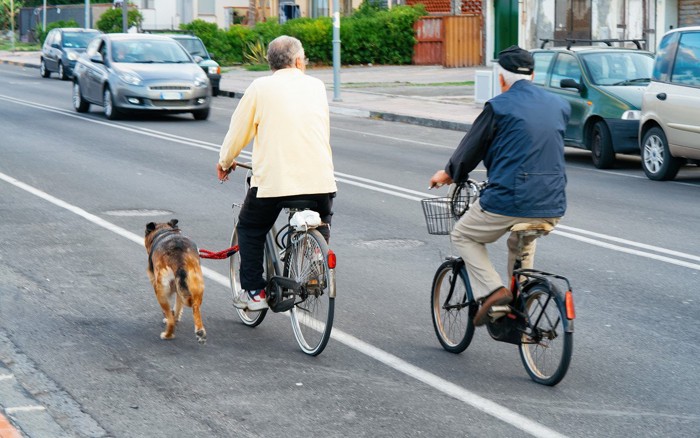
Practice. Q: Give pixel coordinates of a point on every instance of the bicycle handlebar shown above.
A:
(245, 165)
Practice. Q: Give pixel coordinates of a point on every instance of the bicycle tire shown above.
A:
(312, 315)
(453, 326)
(546, 346)
(247, 317)
(460, 199)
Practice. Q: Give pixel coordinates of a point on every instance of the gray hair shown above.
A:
(510, 78)
(283, 51)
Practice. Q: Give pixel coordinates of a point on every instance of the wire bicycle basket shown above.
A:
(438, 215)
(442, 213)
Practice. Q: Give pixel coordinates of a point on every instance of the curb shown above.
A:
(19, 63)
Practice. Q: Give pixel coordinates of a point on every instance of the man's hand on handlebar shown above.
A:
(223, 174)
(440, 179)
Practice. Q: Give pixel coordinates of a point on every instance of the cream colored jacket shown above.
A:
(287, 115)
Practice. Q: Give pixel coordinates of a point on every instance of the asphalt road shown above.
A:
(79, 324)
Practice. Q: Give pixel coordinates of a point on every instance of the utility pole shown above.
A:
(125, 16)
(88, 25)
(12, 23)
(336, 51)
(44, 21)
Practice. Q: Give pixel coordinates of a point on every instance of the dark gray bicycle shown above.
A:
(539, 319)
(300, 272)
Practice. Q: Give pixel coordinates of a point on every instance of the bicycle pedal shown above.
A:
(497, 312)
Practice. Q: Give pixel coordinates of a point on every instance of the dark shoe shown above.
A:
(497, 298)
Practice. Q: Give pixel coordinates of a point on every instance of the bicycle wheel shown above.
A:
(546, 346)
(312, 314)
(452, 317)
(248, 317)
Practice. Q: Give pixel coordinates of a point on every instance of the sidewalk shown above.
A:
(423, 95)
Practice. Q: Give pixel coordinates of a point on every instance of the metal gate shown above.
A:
(452, 41)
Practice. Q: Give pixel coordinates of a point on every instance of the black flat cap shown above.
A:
(516, 60)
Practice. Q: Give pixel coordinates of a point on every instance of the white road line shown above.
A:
(450, 389)
(385, 188)
(6, 376)
(12, 410)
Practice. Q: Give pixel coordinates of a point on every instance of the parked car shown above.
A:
(140, 72)
(196, 47)
(62, 48)
(604, 86)
(670, 125)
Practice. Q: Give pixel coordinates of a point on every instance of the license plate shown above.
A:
(171, 95)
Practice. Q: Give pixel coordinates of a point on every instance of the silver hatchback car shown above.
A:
(670, 120)
(140, 72)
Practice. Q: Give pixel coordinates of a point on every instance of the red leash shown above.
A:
(228, 252)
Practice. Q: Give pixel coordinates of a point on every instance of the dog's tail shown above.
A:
(183, 289)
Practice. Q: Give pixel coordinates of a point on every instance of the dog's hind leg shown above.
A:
(199, 330)
(178, 308)
(164, 302)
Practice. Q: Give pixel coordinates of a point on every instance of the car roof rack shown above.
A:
(572, 41)
(184, 32)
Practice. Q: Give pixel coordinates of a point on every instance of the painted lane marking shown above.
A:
(450, 389)
(12, 410)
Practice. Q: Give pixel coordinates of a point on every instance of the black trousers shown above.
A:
(257, 217)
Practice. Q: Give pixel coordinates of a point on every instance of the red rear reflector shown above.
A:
(331, 259)
(569, 302)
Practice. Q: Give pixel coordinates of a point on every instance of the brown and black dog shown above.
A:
(174, 270)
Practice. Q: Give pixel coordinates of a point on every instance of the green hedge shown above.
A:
(370, 35)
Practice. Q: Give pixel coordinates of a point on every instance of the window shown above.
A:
(664, 57)
(565, 67)
(542, 62)
(686, 70)
(206, 7)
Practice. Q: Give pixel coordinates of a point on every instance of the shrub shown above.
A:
(371, 35)
(111, 20)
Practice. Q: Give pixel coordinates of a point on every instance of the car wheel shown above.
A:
(601, 146)
(657, 162)
(201, 114)
(45, 73)
(81, 105)
(108, 104)
(62, 72)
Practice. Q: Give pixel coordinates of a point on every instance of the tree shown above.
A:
(6, 14)
(111, 20)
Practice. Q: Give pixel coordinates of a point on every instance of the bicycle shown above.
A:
(539, 319)
(300, 272)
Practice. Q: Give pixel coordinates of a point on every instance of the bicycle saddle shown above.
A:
(544, 227)
(300, 204)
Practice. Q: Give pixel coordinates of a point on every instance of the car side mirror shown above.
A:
(570, 83)
(97, 58)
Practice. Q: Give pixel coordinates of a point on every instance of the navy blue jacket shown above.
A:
(520, 138)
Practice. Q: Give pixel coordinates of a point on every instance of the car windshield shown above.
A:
(619, 68)
(77, 40)
(149, 51)
(194, 46)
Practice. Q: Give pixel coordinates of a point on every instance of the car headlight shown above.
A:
(201, 82)
(631, 115)
(215, 70)
(130, 78)
(72, 56)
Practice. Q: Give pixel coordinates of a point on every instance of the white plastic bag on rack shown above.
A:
(306, 219)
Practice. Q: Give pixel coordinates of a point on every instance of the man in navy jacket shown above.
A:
(520, 138)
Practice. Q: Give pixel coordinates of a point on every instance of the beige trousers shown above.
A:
(477, 228)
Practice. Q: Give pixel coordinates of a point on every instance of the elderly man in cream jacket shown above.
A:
(286, 115)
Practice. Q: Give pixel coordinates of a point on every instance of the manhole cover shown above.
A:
(142, 212)
(390, 243)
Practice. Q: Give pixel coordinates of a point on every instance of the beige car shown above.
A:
(670, 122)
